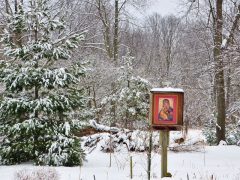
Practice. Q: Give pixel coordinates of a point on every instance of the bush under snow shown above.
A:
(138, 141)
(40, 174)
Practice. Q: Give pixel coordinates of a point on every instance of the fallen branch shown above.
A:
(93, 128)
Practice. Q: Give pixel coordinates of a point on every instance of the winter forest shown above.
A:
(75, 81)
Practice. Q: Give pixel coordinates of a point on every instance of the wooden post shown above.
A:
(131, 167)
(164, 141)
(160, 100)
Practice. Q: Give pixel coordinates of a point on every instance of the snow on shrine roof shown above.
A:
(166, 89)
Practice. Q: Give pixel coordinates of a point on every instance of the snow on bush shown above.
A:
(232, 134)
(40, 174)
(222, 143)
(129, 99)
(63, 152)
(101, 127)
(39, 96)
(1, 139)
(238, 124)
(138, 141)
(132, 141)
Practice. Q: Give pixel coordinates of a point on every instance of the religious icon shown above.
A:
(167, 109)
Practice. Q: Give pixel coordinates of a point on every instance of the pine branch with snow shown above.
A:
(39, 96)
(131, 97)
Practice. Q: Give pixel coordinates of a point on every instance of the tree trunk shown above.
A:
(95, 105)
(116, 24)
(113, 104)
(228, 83)
(36, 89)
(7, 6)
(219, 72)
(106, 27)
(127, 123)
(15, 6)
(18, 34)
(230, 41)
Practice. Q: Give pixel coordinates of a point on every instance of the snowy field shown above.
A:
(215, 162)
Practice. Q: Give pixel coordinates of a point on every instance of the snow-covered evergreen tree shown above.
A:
(131, 97)
(39, 96)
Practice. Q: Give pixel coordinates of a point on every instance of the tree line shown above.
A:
(122, 57)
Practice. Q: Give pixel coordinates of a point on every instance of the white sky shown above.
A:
(164, 7)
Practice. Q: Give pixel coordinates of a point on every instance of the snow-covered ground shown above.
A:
(215, 162)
